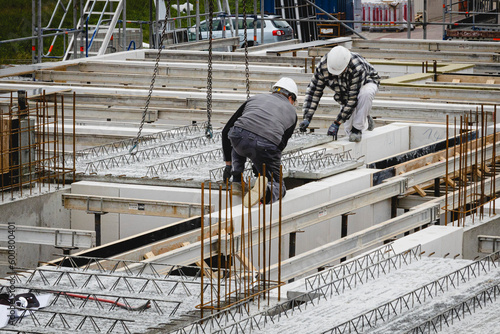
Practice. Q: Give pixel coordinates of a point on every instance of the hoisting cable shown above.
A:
(208, 130)
(135, 143)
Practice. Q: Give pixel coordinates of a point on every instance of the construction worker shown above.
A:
(355, 83)
(260, 130)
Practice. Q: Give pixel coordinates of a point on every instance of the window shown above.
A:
(280, 23)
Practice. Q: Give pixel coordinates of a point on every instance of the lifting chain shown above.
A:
(135, 143)
(208, 130)
(247, 71)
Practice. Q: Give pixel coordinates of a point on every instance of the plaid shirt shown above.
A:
(346, 86)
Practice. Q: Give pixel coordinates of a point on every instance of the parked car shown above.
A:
(276, 29)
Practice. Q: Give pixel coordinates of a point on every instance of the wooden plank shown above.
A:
(4, 142)
(149, 255)
(419, 191)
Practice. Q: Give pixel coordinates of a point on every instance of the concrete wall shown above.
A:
(43, 210)
(488, 226)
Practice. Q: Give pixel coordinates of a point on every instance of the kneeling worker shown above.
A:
(260, 130)
(354, 82)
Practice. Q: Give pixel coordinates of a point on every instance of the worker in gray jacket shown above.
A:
(354, 82)
(259, 130)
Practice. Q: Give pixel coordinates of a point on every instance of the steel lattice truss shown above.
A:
(150, 153)
(298, 158)
(83, 290)
(348, 268)
(459, 311)
(124, 145)
(80, 279)
(327, 160)
(184, 162)
(224, 322)
(98, 323)
(418, 296)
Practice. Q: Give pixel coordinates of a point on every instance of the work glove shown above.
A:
(333, 130)
(303, 125)
(226, 175)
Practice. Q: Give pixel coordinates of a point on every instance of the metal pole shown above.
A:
(291, 248)
(262, 22)
(81, 27)
(343, 231)
(424, 26)
(444, 19)
(33, 31)
(97, 223)
(297, 14)
(39, 32)
(198, 20)
(124, 24)
(157, 29)
(151, 24)
(408, 17)
(202, 257)
(336, 20)
(75, 27)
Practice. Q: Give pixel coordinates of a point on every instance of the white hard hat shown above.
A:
(338, 59)
(289, 85)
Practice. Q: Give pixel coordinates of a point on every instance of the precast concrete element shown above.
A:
(426, 45)
(401, 54)
(133, 206)
(57, 237)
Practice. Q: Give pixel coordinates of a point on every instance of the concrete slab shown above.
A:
(436, 240)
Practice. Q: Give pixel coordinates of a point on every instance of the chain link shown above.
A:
(247, 71)
(208, 131)
(135, 143)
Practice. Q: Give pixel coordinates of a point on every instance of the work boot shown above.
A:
(371, 123)
(256, 193)
(355, 135)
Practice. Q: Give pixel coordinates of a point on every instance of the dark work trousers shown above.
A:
(260, 151)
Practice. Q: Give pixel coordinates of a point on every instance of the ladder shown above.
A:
(100, 18)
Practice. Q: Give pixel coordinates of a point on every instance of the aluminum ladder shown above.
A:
(98, 15)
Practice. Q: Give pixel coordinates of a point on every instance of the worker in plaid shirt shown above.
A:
(355, 83)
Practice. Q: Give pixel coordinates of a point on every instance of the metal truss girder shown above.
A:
(422, 294)
(57, 237)
(134, 206)
(458, 312)
(124, 145)
(184, 162)
(326, 289)
(150, 153)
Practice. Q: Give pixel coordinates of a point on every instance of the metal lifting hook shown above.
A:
(135, 147)
(209, 132)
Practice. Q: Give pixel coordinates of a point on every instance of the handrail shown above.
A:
(131, 42)
(96, 29)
